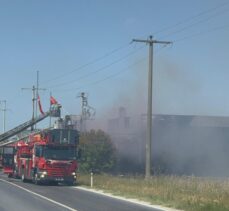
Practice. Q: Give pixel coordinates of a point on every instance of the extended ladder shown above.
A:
(54, 112)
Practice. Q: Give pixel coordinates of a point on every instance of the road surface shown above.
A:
(18, 196)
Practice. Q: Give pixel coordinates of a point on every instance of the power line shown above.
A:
(191, 18)
(88, 64)
(124, 46)
(118, 73)
(117, 49)
(195, 23)
(112, 75)
(127, 68)
(201, 33)
(106, 78)
(98, 70)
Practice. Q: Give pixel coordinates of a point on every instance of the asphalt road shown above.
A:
(18, 196)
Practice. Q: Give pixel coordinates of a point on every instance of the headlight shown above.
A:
(73, 173)
(44, 172)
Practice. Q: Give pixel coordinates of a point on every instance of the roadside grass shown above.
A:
(181, 192)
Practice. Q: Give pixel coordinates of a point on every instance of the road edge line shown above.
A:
(134, 201)
(36, 194)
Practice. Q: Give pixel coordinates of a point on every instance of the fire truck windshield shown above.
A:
(59, 153)
(64, 136)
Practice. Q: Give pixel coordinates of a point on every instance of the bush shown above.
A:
(98, 152)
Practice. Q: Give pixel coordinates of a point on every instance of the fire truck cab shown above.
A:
(48, 156)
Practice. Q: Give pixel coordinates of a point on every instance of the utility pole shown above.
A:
(35, 90)
(86, 112)
(150, 42)
(50, 117)
(33, 101)
(4, 114)
(83, 112)
(37, 94)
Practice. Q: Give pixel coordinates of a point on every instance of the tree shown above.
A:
(98, 151)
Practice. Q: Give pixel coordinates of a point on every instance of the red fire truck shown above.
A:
(44, 156)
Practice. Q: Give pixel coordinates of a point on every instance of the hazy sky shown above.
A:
(85, 46)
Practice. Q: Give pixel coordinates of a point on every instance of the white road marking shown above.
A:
(36, 194)
(134, 201)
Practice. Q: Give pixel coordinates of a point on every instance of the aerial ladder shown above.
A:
(4, 138)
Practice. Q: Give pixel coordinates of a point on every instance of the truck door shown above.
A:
(8, 159)
(8, 156)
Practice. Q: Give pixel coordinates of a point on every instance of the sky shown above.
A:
(85, 46)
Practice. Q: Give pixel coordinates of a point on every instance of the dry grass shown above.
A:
(187, 193)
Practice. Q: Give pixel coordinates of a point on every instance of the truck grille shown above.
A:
(57, 172)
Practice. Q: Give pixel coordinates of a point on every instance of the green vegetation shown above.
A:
(98, 152)
(185, 193)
